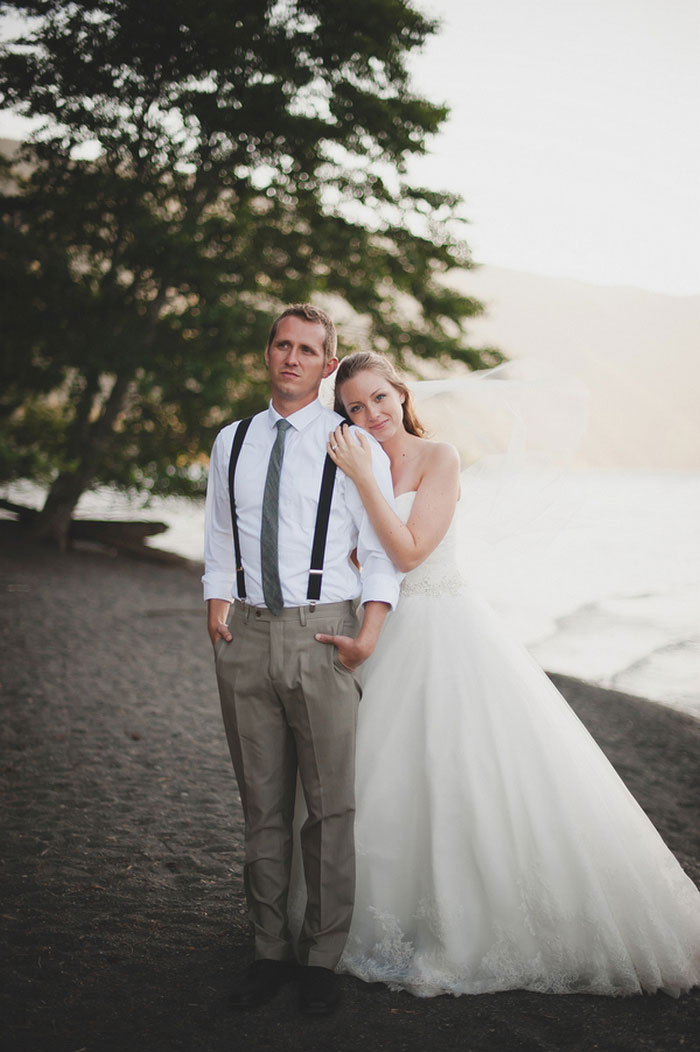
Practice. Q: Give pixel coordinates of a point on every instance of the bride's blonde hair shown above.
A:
(365, 360)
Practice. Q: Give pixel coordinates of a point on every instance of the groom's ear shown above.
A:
(330, 367)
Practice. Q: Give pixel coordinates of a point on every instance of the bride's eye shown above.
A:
(379, 397)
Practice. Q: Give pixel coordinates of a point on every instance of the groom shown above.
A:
(289, 702)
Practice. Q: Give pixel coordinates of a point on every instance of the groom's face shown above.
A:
(297, 362)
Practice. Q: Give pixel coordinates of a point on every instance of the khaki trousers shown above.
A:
(288, 703)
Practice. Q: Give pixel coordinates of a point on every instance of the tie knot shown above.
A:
(282, 425)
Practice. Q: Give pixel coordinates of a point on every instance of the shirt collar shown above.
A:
(298, 420)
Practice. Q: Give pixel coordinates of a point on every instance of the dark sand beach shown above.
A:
(122, 900)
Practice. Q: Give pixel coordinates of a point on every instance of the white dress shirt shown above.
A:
(300, 483)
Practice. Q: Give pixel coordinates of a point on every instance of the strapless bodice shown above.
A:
(438, 574)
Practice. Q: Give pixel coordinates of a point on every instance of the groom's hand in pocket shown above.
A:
(216, 621)
(351, 653)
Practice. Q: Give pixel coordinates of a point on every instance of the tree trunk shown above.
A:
(53, 521)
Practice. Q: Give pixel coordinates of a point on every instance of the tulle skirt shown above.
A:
(496, 846)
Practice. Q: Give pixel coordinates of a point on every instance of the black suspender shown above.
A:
(318, 549)
(235, 450)
(323, 513)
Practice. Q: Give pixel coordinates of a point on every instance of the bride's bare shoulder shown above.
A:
(438, 468)
(441, 456)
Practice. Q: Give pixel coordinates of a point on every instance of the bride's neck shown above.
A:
(400, 449)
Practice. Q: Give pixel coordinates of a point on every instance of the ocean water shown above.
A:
(609, 594)
(615, 598)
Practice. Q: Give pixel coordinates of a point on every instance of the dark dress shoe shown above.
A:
(319, 991)
(261, 981)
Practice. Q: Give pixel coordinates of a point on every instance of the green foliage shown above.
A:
(199, 167)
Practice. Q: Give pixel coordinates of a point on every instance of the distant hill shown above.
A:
(638, 352)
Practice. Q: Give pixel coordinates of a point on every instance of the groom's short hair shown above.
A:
(316, 315)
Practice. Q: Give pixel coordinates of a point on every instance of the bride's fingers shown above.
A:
(358, 448)
(339, 437)
(337, 445)
(349, 440)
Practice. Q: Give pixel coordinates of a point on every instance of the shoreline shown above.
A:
(626, 621)
(122, 881)
(166, 557)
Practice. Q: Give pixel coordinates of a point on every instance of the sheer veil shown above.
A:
(518, 429)
(526, 410)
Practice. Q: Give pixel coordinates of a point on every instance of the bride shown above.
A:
(497, 848)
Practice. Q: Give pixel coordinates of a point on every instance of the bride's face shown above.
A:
(374, 404)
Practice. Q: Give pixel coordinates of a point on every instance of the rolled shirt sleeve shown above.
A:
(219, 556)
(381, 580)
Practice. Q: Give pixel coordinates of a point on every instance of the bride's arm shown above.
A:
(406, 544)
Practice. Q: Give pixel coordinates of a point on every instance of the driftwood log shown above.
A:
(126, 536)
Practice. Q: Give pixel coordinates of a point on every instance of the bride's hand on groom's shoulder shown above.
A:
(351, 451)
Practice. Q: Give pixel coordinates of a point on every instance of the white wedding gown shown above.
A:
(497, 848)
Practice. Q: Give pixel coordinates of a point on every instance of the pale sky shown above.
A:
(574, 136)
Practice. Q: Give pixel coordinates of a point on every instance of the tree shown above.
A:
(200, 166)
